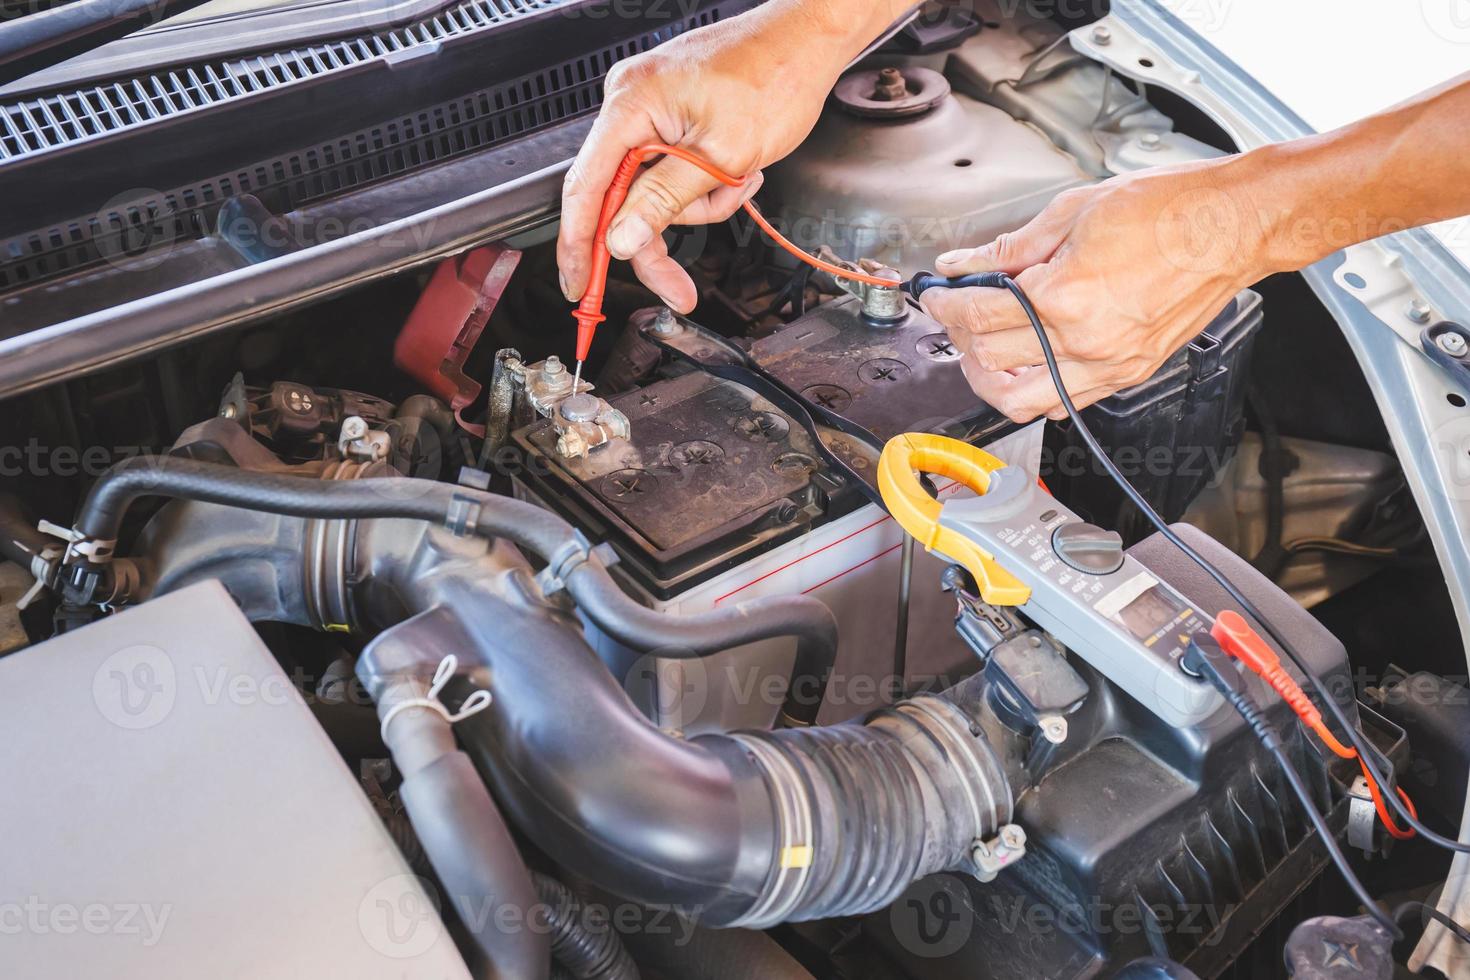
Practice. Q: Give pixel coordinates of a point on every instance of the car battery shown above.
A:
(718, 497)
(1172, 435)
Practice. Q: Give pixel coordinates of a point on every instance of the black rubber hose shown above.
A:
(584, 948)
(465, 839)
(492, 516)
(19, 539)
(815, 630)
(102, 512)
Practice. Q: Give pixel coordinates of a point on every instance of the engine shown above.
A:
(662, 640)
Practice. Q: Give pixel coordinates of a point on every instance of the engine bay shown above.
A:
(655, 651)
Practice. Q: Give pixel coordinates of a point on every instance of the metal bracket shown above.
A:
(1362, 817)
(1000, 852)
(357, 441)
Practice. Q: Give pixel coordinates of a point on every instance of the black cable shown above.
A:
(1338, 546)
(1366, 752)
(1205, 658)
(1272, 466)
(1402, 912)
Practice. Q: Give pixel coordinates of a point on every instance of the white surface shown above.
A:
(1333, 63)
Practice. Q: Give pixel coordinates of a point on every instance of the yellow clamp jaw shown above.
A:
(903, 459)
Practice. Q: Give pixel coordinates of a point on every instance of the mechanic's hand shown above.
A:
(1123, 273)
(742, 93)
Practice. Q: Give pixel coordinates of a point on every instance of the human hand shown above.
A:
(1122, 273)
(741, 93)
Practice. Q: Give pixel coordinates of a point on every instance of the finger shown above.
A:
(658, 196)
(975, 310)
(721, 202)
(1059, 411)
(1006, 350)
(1032, 244)
(666, 277)
(1024, 395)
(613, 134)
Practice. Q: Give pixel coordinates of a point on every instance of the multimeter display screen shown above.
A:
(1152, 611)
(1153, 614)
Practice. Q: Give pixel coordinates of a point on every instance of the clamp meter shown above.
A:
(1073, 579)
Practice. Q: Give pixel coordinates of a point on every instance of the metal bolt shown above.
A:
(664, 323)
(353, 428)
(1053, 728)
(582, 407)
(1418, 311)
(891, 86)
(554, 374)
(1101, 35)
(1150, 141)
(228, 412)
(1452, 344)
(1013, 836)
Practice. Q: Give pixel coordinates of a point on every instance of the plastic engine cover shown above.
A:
(173, 806)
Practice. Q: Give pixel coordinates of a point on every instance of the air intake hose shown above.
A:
(750, 829)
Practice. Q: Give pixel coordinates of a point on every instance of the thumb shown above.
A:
(658, 196)
(1013, 252)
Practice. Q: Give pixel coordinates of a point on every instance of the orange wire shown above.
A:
(588, 313)
(812, 260)
(1243, 643)
(1344, 752)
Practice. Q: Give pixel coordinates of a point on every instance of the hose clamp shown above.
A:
(473, 705)
(795, 845)
(463, 517)
(575, 552)
(95, 550)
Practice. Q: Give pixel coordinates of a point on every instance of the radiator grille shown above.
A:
(473, 122)
(46, 122)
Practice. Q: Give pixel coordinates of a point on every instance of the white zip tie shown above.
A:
(474, 704)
